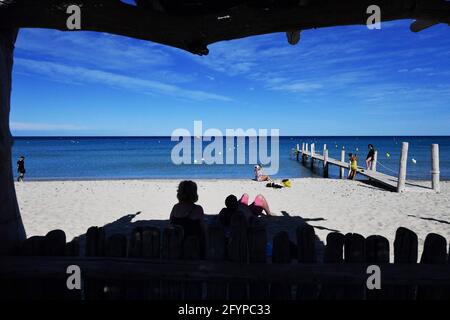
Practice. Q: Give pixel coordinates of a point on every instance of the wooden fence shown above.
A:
(160, 264)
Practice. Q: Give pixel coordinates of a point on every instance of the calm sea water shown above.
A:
(150, 157)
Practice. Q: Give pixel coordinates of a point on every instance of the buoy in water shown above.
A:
(388, 155)
(413, 161)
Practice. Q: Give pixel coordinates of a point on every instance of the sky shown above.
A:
(336, 81)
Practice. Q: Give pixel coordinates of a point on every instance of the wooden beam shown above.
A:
(194, 32)
(117, 268)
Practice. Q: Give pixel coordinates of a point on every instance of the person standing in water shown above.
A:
(21, 169)
(370, 157)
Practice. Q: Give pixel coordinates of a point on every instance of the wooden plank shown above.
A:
(151, 243)
(355, 252)
(95, 246)
(281, 255)
(387, 181)
(377, 252)
(193, 289)
(334, 253)
(216, 251)
(306, 253)
(238, 252)
(434, 252)
(257, 244)
(151, 249)
(117, 268)
(32, 289)
(172, 249)
(54, 245)
(405, 252)
(116, 246)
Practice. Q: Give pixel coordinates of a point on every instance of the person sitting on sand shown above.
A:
(370, 157)
(353, 166)
(187, 214)
(258, 206)
(259, 174)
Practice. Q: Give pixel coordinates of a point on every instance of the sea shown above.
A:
(73, 158)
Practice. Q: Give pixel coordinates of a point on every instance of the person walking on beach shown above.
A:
(21, 169)
(353, 166)
(370, 157)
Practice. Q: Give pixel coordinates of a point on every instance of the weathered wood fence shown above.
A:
(160, 264)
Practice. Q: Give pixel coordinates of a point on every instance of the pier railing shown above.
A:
(159, 264)
(308, 155)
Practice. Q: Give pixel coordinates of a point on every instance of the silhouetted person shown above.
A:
(233, 207)
(21, 169)
(189, 215)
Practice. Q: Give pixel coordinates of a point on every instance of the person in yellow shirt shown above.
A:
(353, 166)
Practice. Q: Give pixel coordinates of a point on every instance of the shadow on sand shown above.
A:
(273, 224)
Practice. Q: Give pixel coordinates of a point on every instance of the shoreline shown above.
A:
(198, 179)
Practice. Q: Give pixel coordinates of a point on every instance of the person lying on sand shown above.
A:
(233, 207)
(258, 206)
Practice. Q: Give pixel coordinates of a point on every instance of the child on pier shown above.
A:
(353, 166)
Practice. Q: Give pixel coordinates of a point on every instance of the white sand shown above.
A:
(345, 206)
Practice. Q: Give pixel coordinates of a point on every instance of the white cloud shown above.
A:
(60, 72)
(31, 126)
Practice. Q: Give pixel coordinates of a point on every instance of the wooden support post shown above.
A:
(11, 227)
(325, 163)
(402, 170)
(342, 170)
(435, 173)
(324, 148)
(297, 151)
(375, 160)
(312, 155)
(305, 156)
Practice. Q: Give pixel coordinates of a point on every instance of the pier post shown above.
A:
(375, 160)
(297, 151)
(312, 155)
(402, 170)
(342, 170)
(325, 163)
(324, 148)
(305, 154)
(435, 173)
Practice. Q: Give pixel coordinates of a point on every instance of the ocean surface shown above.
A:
(67, 158)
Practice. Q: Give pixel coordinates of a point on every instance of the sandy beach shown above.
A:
(328, 205)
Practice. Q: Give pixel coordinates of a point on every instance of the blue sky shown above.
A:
(336, 81)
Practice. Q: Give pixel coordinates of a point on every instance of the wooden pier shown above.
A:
(398, 184)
